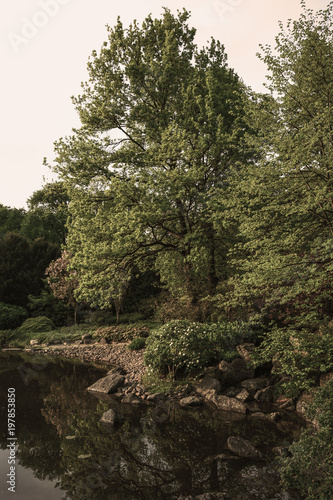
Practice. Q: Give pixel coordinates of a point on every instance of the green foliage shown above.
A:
(11, 316)
(5, 336)
(310, 468)
(10, 219)
(302, 355)
(283, 204)
(45, 304)
(36, 325)
(137, 343)
(179, 114)
(182, 345)
(120, 333)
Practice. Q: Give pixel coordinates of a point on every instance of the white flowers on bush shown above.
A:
(181, 344)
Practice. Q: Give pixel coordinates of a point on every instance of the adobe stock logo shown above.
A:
(31, 27)
(224, 7)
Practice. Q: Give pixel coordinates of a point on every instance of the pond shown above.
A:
(56, 448)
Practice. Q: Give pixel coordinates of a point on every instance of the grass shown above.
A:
(14, 338)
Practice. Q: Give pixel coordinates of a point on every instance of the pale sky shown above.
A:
(45, 45)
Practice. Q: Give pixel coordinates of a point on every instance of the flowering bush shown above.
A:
(182, 345)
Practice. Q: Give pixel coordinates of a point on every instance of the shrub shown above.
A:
(137, 343)
(302, 355)
(310, 468)
(36, 325)
(182, 345)
(5, 336)
(120, 333)
(11, 316)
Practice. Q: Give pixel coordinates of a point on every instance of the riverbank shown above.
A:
(115, 355)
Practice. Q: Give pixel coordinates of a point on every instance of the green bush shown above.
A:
(11, 316)
(186, 346)
(137, 343)
(310, 467)
(36, 325)
(302, 355)
(120, 333)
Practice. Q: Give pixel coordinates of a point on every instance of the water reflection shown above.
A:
(155, 453)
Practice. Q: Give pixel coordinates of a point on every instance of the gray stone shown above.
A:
(245, 350)
(108, 384)
(208, 384)
(155, 398)
(255, 384)
(110, 417)
(265, 395)
(210, 397)
(243, 448)
(244, 396)
(230, 404)
(234, 372)
(191, 401)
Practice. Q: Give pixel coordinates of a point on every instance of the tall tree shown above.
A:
(179, 113)
(285, 201)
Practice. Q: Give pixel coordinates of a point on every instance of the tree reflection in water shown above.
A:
(156, 453)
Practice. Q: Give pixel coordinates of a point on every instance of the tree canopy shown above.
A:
(179, 113)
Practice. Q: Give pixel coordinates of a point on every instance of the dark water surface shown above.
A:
(63, 452)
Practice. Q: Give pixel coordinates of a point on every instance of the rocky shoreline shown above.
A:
(234, 387)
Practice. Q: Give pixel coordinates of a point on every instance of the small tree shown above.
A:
(63, 281)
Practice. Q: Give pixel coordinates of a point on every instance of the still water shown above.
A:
(58, 449)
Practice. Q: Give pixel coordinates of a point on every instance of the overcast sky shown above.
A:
(45, 45)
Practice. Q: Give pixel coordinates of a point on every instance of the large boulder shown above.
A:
(234, 372)
(243, 448)
(108, 384)
(230, 404)
(191, 401)
(208, 384)
(255, 384)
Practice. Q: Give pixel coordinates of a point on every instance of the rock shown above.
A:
(255, 384)
(34, 342)
(191, 401)
(245, 351)
(265, 395)
(230, 404)
(235, 372)
(212, 371)
(155, 398)
(275, 416)
(210, 397)
(110, 417)
(285, 403)
(208, 384)
(244, 396)
(131, 399)
(108, 384)
(243, 448)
